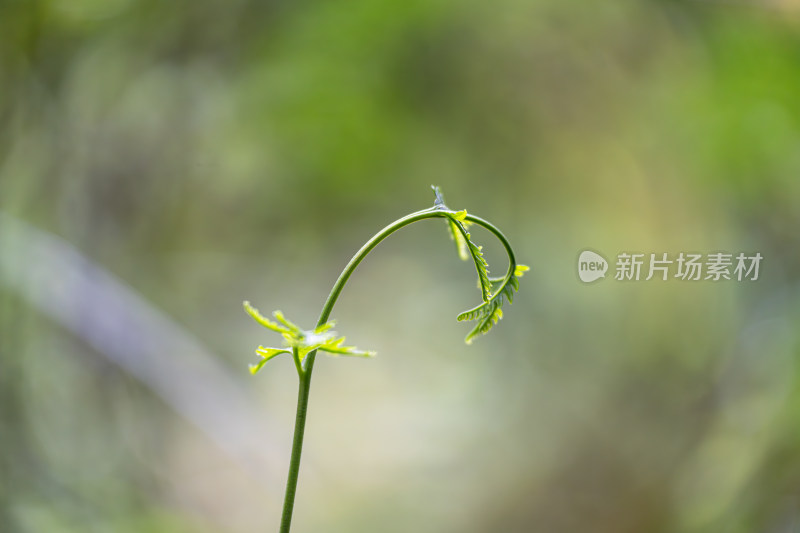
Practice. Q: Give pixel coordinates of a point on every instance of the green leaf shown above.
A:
(486, 321)
(258, 317)
(293, 328)
(269, 353)
(481, 266)
(490, 312)
(300, 341)
(266, 354)
(453, 218)
(325, 327)
(457, 224)
(458, 238)
(335, 347)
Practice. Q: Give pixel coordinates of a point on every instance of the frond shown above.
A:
(457, 224)
(481, 266)
(264, 321)
(486, 321)
(325, 327)
(490, 312)
(336, 347)
(458, 238)
(266, 354)
(289, 325)
(300, 342)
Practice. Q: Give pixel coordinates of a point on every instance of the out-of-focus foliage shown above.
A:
(207, 152)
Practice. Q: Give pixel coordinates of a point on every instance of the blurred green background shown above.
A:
(162, 161)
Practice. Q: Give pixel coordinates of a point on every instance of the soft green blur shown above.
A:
(204, 153)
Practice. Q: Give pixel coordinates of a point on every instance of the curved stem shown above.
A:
(512, 262)
(304, 371)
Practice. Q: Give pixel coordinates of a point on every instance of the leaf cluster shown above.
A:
(494, 291)
(299, 342)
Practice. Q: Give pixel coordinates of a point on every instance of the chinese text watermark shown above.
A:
(685, 266)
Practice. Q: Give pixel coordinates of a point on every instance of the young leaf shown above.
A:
(291, 327)
(325, 327)
(486, 321)
(266, 354)
(481, 266)
(269, 353)
(489, 313)
(335, 347)
(258, 317)
(300, 342)
(458, 238)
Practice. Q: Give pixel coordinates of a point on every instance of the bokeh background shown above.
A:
(161, 161)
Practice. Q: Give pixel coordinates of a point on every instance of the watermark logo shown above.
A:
(591, 266)
(684, 266)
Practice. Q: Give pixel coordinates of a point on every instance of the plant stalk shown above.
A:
(305, 368)
(297, 450)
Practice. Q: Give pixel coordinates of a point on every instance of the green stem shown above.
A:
(304, 370)
(297, 451)
(512, 262)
